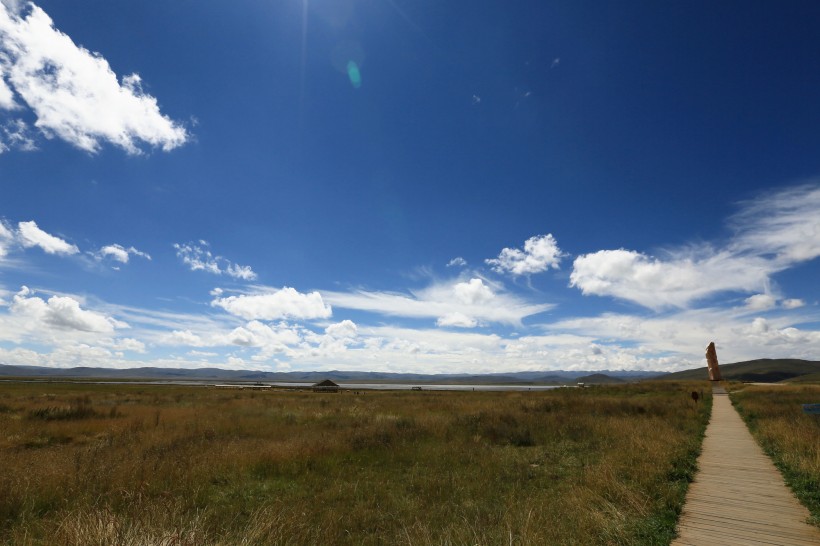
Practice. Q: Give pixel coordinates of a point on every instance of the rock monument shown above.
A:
(711, 361)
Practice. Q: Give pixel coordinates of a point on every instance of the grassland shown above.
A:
(127, 464)
(790, 437)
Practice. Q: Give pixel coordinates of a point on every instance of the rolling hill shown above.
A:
(763, 370)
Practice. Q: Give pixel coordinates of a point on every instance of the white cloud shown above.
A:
(346, 328)
(15, 134)
(258, 334)
(121, 254)
(457, 262)
(13, 5)
(30, 235)
(685, 334)
(203, 354)
(73, 92)
(540, 253)
(284, 303)
(199, 258)
(473, 292)
(473, 299)
(761, 302)
(184, 337)
(6, 95)
(656, 283)
(62, 313)
(128, 344)
(457, 319)
(236, 363)
(6, 238)
(783, 225)
(793, 303)
(772, 233)
(243, 272)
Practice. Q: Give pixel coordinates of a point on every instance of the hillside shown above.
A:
(598, 379)
(808, 378)
(763, 370)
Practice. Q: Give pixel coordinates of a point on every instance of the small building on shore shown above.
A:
(326, 386)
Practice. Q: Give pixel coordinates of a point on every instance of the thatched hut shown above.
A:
(325, 386)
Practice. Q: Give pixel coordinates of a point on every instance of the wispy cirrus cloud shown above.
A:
(771, 233)
(7, 238)
(464, 304)
(198, 257)
(74, 93)
(782, 226)
(740, 333)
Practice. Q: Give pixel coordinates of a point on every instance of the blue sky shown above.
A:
(408, 186)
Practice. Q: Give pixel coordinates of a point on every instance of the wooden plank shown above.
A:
(738, 496)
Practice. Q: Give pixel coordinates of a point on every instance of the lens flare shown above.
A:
(354, 74)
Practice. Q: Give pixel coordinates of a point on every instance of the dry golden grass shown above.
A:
(138, 465)
(776, 419)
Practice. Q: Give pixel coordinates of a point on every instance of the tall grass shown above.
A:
(196, 466)
(790, 437)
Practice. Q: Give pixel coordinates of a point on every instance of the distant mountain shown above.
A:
(763, 370)
(217, 374)
(598, 379)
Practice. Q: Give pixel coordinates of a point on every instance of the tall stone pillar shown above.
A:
(712, 362)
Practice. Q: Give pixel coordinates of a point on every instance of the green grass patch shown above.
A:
(791, 438)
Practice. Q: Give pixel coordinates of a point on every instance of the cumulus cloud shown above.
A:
(540, 253)
(793, 303)
(657, 283)
(259, 334)
(457, 319)
(30, 236)
(128, 344)
(284, 303)
(473, 292)
(62, 312)
(346, 328)
(761, 302)
(184, 337)
(199, 258)
(73, 92)
(457, 262)
(119, 253)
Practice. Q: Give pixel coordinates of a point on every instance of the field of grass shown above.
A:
(790, 437)
(129, 464)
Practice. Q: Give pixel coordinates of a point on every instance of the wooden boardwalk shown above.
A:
(738, 496)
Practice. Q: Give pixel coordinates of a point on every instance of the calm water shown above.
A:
(344, 386)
